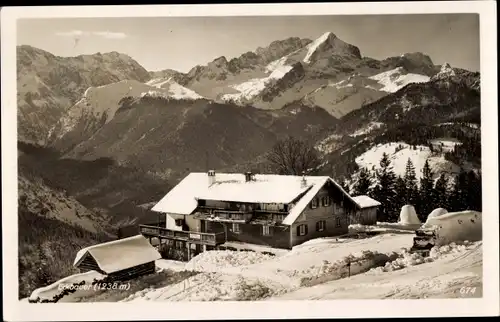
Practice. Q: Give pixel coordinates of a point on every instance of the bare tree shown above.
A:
(294, 157)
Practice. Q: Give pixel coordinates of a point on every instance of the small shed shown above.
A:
(367, 214)
(120, 259)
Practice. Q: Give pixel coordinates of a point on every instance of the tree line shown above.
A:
(454, 193)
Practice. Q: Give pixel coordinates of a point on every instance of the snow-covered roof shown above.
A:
(120, 254)
(365, 201)
(265, 188)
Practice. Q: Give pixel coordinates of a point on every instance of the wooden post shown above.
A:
(189, 250)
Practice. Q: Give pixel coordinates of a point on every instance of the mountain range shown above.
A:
(103, 136)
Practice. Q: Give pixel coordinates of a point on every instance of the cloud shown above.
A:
(102, 34)
(110, 35)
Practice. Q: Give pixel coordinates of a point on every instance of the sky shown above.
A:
(181, 43)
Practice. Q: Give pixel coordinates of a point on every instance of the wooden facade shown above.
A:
(326, 215)
(364, 216)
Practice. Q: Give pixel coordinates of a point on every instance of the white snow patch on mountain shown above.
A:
(314, 45)
(395, 79)
(367, 129)
(371, 159)
(471, 125)
(272, 66)
(249, 89)
(328, 144)
(341, 84)
(174, 89)
(104, 101)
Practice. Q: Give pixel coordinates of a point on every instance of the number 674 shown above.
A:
(467, 290)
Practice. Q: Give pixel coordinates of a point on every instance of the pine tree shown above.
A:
(400, 196)
(441, 192)
(474, 191)
(344, 185)
(427, 197)
(384, 189)
(459, 197)
(362, 186)
(410, 179)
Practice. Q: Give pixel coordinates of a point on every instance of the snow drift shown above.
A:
(433, 215)
(458, 226)
(408, 216)
(49, 291)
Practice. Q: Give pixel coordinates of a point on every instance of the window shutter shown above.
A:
(298, 230)
(305, 228)
(317, 226)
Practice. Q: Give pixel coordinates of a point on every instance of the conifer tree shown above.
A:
(441, 193)
(344, 185)
(362, 186)
(384, 189)
(459, 195)
(427, 193)
(410, 178)
(474, 191)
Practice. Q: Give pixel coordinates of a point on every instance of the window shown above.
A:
(236, 228)
(178, 222)
(320, 225)
(301, 230)
(279, 217)
(337, 222)
(314, 203)
(266, 231)
(326, 201)
(237, 216)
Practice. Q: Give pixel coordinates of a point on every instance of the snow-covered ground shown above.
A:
(443, 277)
(48, 292)
(226, 274)
(368, 262)
(371, 159)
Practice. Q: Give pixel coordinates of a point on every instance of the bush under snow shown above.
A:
(352, 264)
(405, 258)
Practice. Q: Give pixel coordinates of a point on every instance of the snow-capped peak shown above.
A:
(446, 71)
(312, 47)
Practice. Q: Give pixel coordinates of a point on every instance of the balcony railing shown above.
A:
(189, 236)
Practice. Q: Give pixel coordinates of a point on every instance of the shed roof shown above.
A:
(365, 201)
(120, 254)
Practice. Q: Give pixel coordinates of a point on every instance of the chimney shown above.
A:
(248, 176)
(303, 181)
(211, 177)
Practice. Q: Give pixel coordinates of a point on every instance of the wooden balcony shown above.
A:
(238, 216)
(212, 239)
